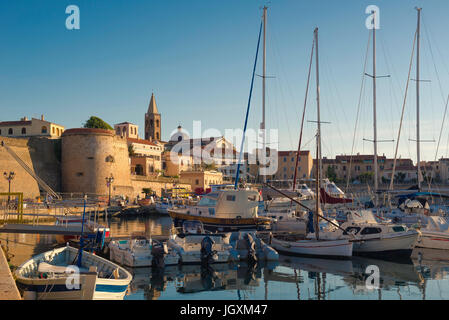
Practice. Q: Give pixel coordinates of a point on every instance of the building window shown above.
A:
(10, 131)
(285, 159)
(157, 123)
(197, 182)
(44, 129)
(139, 170)
(24, 130)
(157, 135)
(293, 159)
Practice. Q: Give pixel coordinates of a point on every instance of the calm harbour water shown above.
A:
(425, 276)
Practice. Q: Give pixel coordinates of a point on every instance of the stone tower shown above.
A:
(152, 121)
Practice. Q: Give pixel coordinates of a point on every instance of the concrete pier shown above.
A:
(8, 288)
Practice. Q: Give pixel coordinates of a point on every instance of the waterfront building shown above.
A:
(201, 180)
(286, 165)
(29, 128)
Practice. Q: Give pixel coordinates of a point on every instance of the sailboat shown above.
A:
(369, 236)
(299, 245)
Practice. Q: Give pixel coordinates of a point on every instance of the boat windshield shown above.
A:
(209, 201)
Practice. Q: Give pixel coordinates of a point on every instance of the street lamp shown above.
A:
(109, 181)
(9, 177)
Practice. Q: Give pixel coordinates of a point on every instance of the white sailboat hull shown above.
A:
(433, 240)
(390, 243)
(331, 248)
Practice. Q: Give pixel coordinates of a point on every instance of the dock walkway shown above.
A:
(8, 288)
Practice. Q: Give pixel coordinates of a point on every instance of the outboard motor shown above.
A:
(158, 250)
(252, 253)
(207, 254)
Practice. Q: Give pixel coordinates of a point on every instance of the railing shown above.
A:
(41, 182)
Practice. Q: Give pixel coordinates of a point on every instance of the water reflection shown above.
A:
(424, 276)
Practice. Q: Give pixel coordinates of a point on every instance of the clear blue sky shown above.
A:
(197, 57)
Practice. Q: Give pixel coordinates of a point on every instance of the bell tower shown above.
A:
(152, 121)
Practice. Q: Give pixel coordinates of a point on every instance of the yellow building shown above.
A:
(127, 129)
(286, 165)
(174, 163)
(201, 180)
(28, 128)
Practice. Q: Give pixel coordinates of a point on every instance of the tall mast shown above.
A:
(374, 107)
(262, 125)
(417, 100)
(318, 138)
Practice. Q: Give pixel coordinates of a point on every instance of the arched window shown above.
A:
(157, 135)
(53, 129)
(44, 129)
(151, 122)
(24, 130)
(151, 168)
(10, 131)
(157, 123)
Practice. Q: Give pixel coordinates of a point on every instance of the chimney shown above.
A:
(42, 117)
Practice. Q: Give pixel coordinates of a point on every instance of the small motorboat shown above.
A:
(55, 275)
(251, 248)
(194, 245)
(142, 252)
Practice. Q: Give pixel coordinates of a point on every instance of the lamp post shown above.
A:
(109, 181)
(9, 177)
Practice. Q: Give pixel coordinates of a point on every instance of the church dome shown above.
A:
(179, 135)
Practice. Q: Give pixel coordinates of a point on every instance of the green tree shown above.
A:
(366, 177)
(147, 191)
(95, 122)
(209, 167)
(331, 174)
(399, 177)
(131, 151)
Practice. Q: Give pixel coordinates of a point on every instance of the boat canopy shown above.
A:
(422, 194)
(361, 216)
(437, 223)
